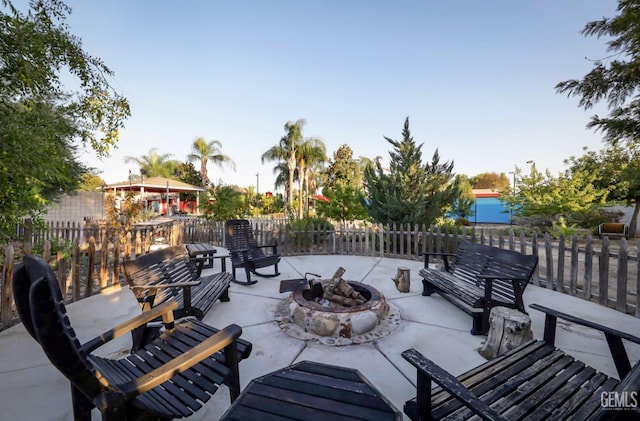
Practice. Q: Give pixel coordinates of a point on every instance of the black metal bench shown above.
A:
(170, 274)
(478, 278)
(171, 377)
(535, 381)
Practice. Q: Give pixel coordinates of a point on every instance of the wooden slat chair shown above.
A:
(534, 381)
(245, 252)
(169, 378)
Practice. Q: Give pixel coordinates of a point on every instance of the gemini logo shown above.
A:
(619, 401)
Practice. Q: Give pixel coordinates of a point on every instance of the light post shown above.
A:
(513, 195)
(258, 183)
(533, 164)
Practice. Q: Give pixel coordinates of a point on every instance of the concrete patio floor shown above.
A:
(31, 389)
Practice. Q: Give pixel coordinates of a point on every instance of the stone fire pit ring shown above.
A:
(305, 319)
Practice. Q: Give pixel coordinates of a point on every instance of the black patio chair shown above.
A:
(171, 377)
(245, 252)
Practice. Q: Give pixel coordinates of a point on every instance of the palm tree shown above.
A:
(203, 152)
(285, 151)
(310, 152)
(155, 164)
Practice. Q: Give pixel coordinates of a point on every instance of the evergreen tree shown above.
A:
(614, 79)
(343, 168)
(410, 192)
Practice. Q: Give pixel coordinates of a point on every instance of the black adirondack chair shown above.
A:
(171, 377)
(245, 252)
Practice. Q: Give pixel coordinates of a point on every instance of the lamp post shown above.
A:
(144, 205)
(258, 183)
(533, 164)
(513, 194)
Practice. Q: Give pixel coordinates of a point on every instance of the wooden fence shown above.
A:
(595, 270)
(83, 267)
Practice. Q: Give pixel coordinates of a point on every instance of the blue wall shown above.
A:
(489, 210)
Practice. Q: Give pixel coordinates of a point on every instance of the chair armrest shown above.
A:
(428, 370)
(577, 320)
(184, 361)
(165, 310)
(614, 337)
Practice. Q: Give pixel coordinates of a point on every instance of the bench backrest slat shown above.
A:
(473, 259)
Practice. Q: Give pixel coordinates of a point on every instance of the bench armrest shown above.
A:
(613, 336)
(427, 371)
(164, 310)
(445, 259)
(171, 285)
(502, 278)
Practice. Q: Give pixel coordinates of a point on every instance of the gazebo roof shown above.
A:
(157, 185)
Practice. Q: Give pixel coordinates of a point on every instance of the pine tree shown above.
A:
(409, 192)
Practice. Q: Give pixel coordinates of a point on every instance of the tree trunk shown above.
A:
(634, 219)
(403, 279)
(508, 329)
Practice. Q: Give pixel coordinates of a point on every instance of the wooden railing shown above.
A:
(600, 271)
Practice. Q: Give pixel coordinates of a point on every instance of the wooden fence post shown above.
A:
(603, 273)
(7, 290)
(621, 287)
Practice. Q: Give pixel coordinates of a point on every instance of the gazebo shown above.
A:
(159, 186)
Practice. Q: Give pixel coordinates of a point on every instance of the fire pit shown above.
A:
(338, 312)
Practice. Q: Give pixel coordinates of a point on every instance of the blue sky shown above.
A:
(476, 78)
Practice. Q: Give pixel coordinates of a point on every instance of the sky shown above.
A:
(476, 78)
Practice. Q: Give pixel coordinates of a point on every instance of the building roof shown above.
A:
(156, 185)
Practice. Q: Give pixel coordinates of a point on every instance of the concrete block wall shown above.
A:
(77, 207)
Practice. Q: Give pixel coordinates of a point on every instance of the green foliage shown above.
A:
(490, 180)
(342, 169)
(545, 198)
(56, 245)
(561, 227)
(155, 164)
(616, 82)
(409, 192)
(463, 205)
(44, 123)
(205, 152)
(345, 203)
(227, 204)
(91, 182)
(300, 230)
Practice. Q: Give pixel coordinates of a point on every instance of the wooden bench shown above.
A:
(170, 274)
(615, 230)
(171, 377)
(535, 381)
(478, 278)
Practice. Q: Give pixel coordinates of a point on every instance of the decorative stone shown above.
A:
(324, 325)
(363, 322)
(508, 328)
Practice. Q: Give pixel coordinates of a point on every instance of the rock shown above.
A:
(363, 322)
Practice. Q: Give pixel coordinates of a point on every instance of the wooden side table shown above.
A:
(312, 391)
(202, 250)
